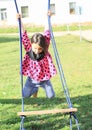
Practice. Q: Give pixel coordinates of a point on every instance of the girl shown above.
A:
(37, 64)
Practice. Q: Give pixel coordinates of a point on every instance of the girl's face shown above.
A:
(36, 48)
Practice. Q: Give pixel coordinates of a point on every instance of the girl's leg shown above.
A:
(48, 89)
(29, 88)
(35, 94)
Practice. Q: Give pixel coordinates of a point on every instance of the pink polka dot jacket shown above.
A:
(40, 70)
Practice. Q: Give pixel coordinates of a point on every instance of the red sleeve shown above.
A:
(26, 41)
(47, 36)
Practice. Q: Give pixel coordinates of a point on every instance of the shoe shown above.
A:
(35, 94)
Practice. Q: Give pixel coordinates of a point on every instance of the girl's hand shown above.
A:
(18, 16)
(49, 13)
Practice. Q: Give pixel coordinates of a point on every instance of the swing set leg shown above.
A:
(76, 121)
(70, 122)
(22, 123)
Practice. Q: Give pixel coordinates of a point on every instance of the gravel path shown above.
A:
(87, 34)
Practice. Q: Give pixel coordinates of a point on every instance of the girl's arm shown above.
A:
(19, 17)
(46, 26)
(46, 29)
(25, 39)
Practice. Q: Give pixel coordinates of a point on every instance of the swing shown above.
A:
(54, 111)
(71, 111)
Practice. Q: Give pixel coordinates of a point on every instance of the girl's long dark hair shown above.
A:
(40, 40)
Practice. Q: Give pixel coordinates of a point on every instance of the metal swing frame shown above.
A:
(71, 111)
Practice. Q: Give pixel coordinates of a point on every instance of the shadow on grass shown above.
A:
(44, 122)
(6, 39)
(53, 122)
(11, 38)
(32, 101)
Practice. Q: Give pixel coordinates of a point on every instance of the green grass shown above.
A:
(34, 28)
(76, 59)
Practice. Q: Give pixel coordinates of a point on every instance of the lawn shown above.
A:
(76, 59)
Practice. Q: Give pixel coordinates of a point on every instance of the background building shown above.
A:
(34, 11)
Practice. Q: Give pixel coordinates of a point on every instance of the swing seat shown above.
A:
(41, 112)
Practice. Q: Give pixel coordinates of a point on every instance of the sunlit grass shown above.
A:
(77, 66)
